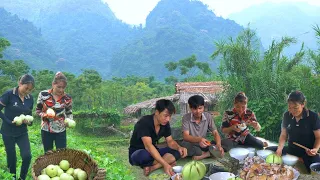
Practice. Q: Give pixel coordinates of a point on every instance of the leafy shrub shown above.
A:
(97, 119)
(4, 173)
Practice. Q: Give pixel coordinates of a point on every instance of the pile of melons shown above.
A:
(63, 171)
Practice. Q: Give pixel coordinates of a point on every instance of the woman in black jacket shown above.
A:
(302, 126)
(15, 102)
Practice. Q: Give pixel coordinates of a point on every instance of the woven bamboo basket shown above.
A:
(76, 158)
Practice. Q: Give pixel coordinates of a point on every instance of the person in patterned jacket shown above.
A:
(53, 129)
(235, 124)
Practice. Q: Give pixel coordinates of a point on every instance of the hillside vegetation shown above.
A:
(86, 34)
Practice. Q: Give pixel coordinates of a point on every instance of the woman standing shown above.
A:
(302, 126)
(15, 102)
(53, 128)
(235, 124)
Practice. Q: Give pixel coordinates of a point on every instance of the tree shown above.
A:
(266, 80)
(13, 69)
(312, 84)
(3, 45)
(89, 78)
(239, 57)
(86, 90)
(43, 80)
(188, 67)
(315, 57)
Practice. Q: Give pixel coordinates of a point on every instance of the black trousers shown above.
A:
(307, 160)
(194, 149)
(60, 140)
(252, 141)
(25, 153)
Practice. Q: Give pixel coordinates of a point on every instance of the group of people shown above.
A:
(299, 125)
(19, 101)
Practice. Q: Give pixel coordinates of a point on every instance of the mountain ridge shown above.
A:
(84, 38)
(26, 42)
(181, 26)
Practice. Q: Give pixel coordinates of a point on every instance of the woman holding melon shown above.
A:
(54, 106)
(301, 126)
(235, 124)
(17, 103)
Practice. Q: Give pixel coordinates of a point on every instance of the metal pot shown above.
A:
(215, 151)
(315, 168)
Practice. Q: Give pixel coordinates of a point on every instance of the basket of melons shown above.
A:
(66, 164)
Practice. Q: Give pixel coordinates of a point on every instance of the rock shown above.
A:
(308, 177)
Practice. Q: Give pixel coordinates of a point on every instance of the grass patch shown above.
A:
(110, 153)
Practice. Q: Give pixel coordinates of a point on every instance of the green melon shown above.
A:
(194, 170)
(274, 159)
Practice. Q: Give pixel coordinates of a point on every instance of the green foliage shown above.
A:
(88, 90)
(190, 71)
(68, 41)
(218, 122)
(120, 92)
(127, 128)
(116, 93)
(97, 117)
(10, 71)
(269, 114)
(3, 45)
(13, 69)
(26, 42)
(97, 103)
(117, 169)
(89, 79)
(76, 44)
(203, 78)
(86, 38)
(43, 80)
(315, 55)
(99, 149)
(186, 65)
(4, 174)
(266, 80)
(311, 82)
(240, 56)
(174, 30)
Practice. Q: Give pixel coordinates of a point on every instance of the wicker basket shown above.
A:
(76, 158)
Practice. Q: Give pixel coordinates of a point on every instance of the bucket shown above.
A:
(315, 168)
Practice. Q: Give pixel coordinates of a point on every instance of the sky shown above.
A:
(136, 11)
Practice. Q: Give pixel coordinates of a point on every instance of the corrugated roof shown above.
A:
(199, 87)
